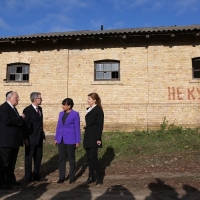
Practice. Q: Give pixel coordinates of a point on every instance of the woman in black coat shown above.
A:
(92, 138)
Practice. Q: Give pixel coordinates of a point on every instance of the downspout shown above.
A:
(147, 116)
(67, 72)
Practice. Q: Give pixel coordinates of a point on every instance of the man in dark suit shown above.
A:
(10, 139)
(33, 137)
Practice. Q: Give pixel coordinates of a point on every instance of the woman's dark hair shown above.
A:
(96, 97)
(69, 102)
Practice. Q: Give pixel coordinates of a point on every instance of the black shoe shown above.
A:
(71, 181)
(5, 187)
(98, 182)
(60, 180)
(28, 181)
(15, 183)
(89, 180)
(36, 177)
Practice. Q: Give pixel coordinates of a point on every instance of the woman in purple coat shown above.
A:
(68, 136)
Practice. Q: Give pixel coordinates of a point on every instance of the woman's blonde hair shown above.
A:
(96, 97)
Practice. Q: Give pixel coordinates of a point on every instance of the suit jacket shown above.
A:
(94, 127)
(10, 127)
(34, 125)
(70, 130)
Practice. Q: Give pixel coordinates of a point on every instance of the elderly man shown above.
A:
(11, 124)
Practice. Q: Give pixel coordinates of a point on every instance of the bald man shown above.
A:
(11, 124)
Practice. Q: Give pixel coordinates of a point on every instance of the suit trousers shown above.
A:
(93, 162)
(34, 152)
(65, 150)
(8, 158)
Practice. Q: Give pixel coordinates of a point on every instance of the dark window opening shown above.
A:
(196, 67)
(18, 72)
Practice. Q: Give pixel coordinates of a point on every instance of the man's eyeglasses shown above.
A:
(39, 98)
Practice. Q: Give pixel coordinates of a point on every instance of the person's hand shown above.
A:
(55, 143)
(77, 144)
(26, 142)
(98, 142)
(23, 115)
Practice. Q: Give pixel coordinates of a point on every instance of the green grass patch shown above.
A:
(123, 146)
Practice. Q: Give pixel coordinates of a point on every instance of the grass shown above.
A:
(123, 146)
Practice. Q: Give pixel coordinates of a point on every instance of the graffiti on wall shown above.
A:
(179, 93)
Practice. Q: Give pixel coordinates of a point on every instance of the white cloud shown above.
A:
(133, 4)
(96, 23)
(183, 6)
(3, 24)
(50, 23)
(25, 6)
(11, 4)
(48, 15)
(117, 25)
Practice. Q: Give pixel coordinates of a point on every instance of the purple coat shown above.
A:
(70, 131)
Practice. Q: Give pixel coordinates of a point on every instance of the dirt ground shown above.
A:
(164, 178)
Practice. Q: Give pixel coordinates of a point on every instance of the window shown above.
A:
(196, 67)
(17, 72)
(106, 70)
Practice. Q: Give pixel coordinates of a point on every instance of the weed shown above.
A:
(121, 146)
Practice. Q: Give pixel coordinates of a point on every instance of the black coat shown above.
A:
(10, 127)
(34, 125)
(94, 127)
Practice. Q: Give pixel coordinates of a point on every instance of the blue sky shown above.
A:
(22, 17)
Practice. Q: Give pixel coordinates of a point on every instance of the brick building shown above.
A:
(141, 74)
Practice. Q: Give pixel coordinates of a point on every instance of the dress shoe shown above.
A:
(5, 187)
(98, 182)
(89, 180)
(60, 180)
(71, 181)
(28, 181)
(15, 183)
(36, 177)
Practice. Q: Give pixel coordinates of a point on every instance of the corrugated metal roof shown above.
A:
(136, 31)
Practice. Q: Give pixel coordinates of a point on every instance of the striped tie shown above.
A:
(37, 110)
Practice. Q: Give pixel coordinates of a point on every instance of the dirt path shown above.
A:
(152, 186)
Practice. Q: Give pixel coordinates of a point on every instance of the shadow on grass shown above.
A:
(50, 166)
(106, 160)
(81, 166)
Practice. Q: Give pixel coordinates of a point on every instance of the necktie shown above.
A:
(15, 111)
(37, 110)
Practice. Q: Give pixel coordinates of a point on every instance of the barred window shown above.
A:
(196, 67)
(17, 72)
(107, 70)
